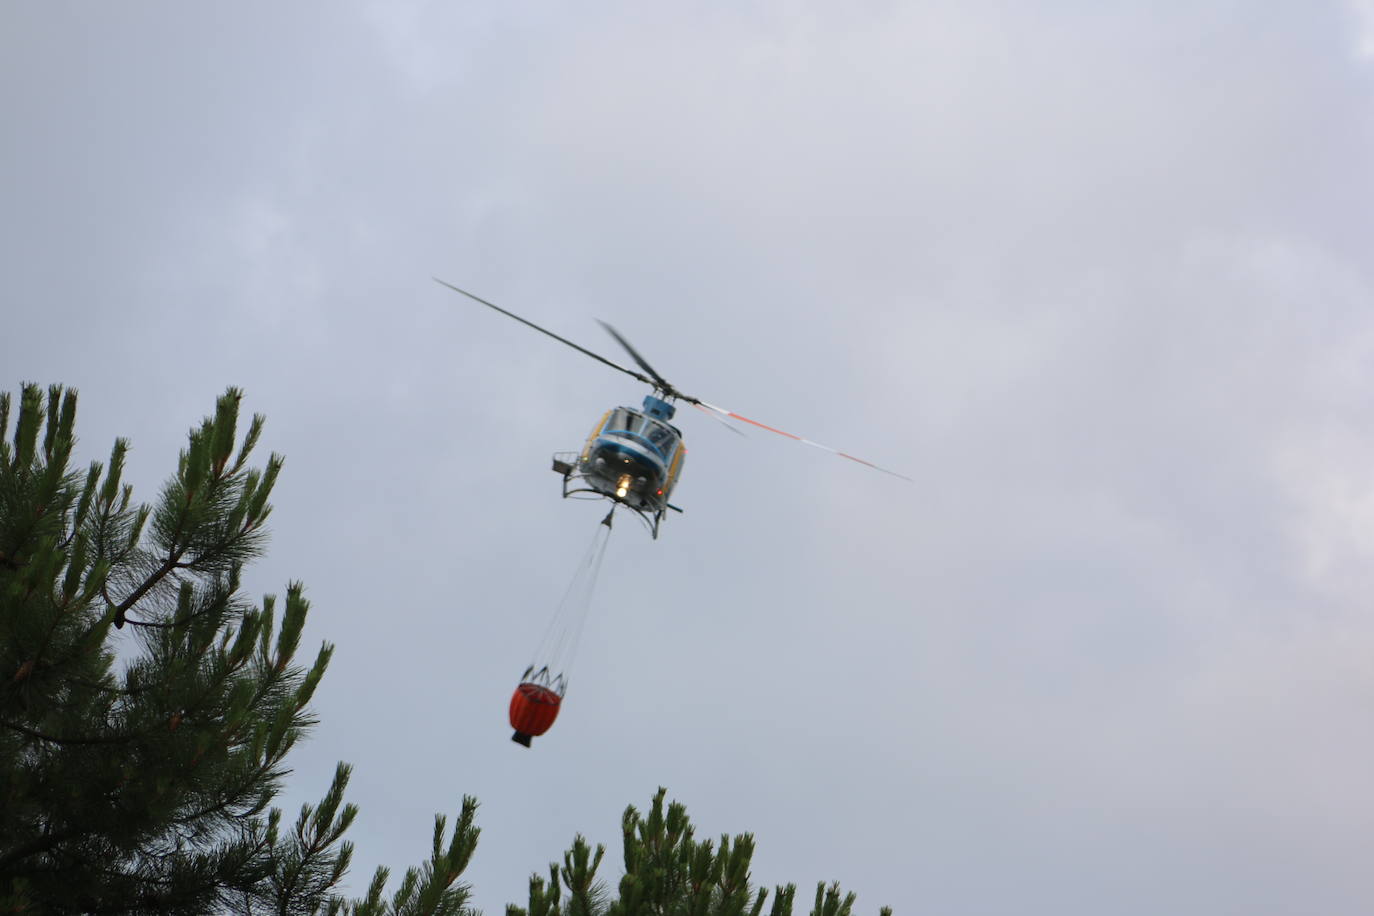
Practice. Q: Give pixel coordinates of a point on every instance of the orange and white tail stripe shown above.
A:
(781, 432)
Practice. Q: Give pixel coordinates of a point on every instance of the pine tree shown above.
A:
(668, 872)
(139, 775)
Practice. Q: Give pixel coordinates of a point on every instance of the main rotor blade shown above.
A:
(643, 363)
(718, 418)
(596, 356)
(772, 429)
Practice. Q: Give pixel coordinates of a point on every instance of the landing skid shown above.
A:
(575, 487)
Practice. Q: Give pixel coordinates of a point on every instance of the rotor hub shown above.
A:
(658, 408)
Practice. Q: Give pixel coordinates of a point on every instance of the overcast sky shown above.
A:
(1097, 276)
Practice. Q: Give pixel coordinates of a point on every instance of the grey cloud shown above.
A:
(1095, 277)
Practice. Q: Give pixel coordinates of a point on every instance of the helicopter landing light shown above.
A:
(622, 486)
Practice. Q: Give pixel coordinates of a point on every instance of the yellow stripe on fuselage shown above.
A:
(674, 469)
(600, 425)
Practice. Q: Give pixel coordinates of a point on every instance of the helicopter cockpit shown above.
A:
(645, 430)
(632, 456)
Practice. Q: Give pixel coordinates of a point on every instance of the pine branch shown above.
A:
(147, 585)
(41, 844)
(70, 741)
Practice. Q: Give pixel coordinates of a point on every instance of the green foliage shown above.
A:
(430, 888)
(140, 766)
(139, 774)
(668, 872)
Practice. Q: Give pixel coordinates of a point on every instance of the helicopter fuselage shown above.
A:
(633, 458)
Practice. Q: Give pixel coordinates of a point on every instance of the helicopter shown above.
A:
(634, 457)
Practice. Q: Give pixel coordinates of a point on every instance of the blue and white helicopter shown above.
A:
(634, 457)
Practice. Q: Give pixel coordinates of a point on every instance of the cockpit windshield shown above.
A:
(624, 421)
(661, 437)
(658, 434)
